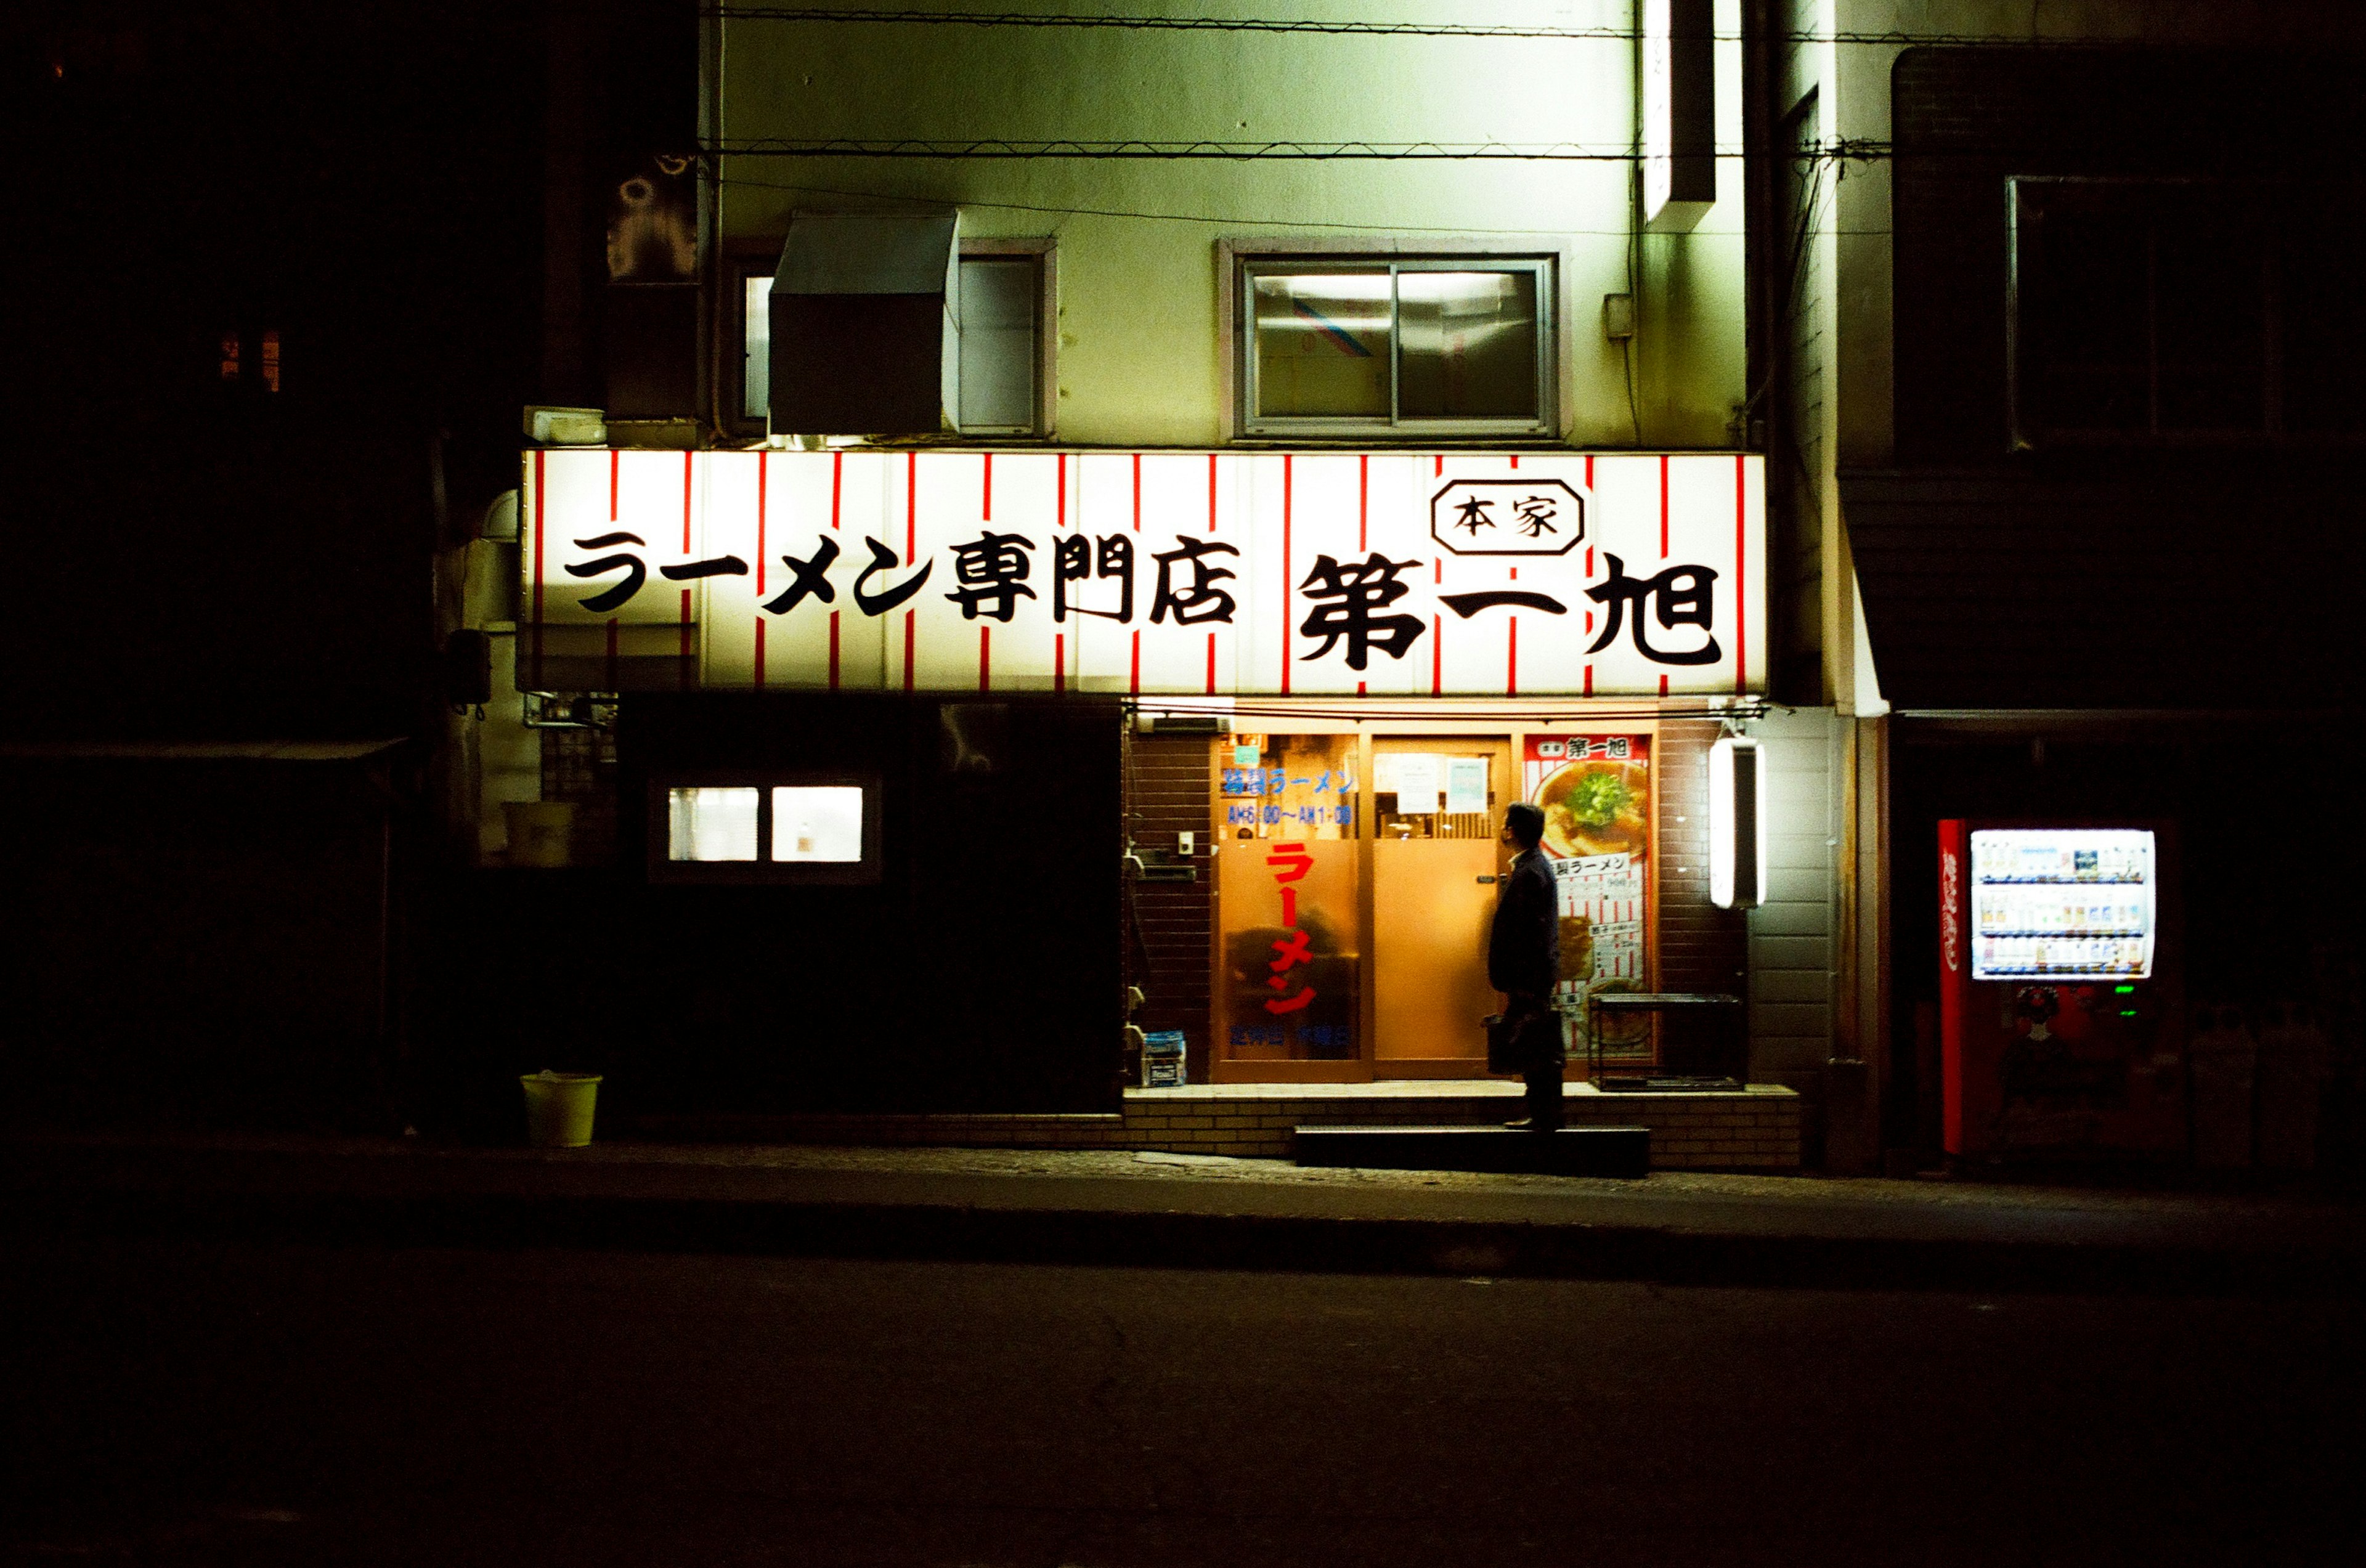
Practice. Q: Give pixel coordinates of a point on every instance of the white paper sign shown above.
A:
(1418, 782)
(1334, 574)
(1466, 785)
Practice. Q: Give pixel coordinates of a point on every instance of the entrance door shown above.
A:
(1437, 805)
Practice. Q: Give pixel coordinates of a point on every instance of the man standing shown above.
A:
(1523, 963)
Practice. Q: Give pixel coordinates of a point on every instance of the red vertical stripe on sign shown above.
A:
(1663, 685)
(685, 502)
(1137, 492)
(1741, 573)
(1663, 506)
(985, 491)
(539, 489)
(615, 458)
(1437, 656)
(1285, 573)
(1360, 690)
(1059, 661)
(907, 650)
(759, 653)
(1516, 459)
(837, 486)
(1211, 664)
(1512, 662)
(1589, 561)
(985, 659)
(1363, 499)
(912, 511)
(762, 458)
(1589, 470)
(1437, 464)
(1211, 494)
(1060, 517)
(833, 650)
(1588, 680)
(1133, 680)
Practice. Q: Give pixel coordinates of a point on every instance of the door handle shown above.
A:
(1487, 879)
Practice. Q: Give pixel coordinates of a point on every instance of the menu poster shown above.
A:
(1596, 793)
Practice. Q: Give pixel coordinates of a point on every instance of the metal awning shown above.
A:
(870, 253)
(865, 318)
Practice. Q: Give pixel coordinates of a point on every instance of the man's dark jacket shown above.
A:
(1524, 947)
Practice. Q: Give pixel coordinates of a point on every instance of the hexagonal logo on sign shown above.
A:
(1507, 517)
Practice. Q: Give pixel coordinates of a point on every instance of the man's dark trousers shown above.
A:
(1543, 1073)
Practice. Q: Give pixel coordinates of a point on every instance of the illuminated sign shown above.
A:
(1171, 573)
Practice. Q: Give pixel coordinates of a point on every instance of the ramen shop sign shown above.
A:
(1381, 574)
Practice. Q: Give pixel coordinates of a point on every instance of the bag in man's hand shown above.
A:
(1519, 1040)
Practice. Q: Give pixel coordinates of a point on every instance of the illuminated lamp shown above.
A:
(1737, 823)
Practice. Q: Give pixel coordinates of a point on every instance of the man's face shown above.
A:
(1504, 836)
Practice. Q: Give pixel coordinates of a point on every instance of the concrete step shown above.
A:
(1570, 1151)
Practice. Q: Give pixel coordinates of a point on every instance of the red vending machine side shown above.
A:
(2061, 990)
(1954, 978)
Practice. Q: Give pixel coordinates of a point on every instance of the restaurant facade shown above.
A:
(1033, 601)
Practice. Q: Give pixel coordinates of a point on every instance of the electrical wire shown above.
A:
(1612, 33)
(1215, 220)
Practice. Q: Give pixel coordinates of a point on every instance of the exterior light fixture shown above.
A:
(1737, 823)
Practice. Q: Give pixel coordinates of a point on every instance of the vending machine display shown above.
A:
(2070, 903)
(2061, 1003)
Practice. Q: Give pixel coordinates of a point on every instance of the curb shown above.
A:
(1170, 1239)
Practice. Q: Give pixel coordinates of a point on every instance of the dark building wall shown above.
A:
(2186, 573)
(199, 942)
(212, 556)
(982, 973)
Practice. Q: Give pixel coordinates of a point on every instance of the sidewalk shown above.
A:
(1151, 1209)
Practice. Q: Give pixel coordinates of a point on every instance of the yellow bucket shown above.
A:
(558, 1108)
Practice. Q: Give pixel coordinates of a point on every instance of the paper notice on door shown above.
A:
(1418, 782)
(1466, 785)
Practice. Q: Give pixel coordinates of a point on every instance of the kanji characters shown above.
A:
(1680, 596)
(1197, 599)
(1077, 557)
(1468, 605)
(1536, 514)
(1346, 599)
(992, 570)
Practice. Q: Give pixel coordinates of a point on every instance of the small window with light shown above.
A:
(802, 829)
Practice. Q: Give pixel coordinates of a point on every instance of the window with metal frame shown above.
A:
(1423, 346)
(1002, 359)
(2177, 311)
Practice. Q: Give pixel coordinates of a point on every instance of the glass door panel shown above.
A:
(1289, 936)
(1437, 807)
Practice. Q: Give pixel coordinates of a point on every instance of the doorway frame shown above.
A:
(1516, 724)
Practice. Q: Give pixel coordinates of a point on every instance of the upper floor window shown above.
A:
(1004, 358)
(2162, 310)
(1444, 346)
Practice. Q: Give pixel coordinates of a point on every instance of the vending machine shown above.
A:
(2061, 995)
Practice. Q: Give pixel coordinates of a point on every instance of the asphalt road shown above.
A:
(181, 1403)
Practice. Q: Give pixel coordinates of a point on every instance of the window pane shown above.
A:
(711, 824)
(998, 342)
(1469, 342)
(2085, 356)
(817, 822)
(756, 393)
(2210, 316)
(1321, 345)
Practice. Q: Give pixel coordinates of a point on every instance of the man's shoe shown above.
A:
(1530, 1124)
